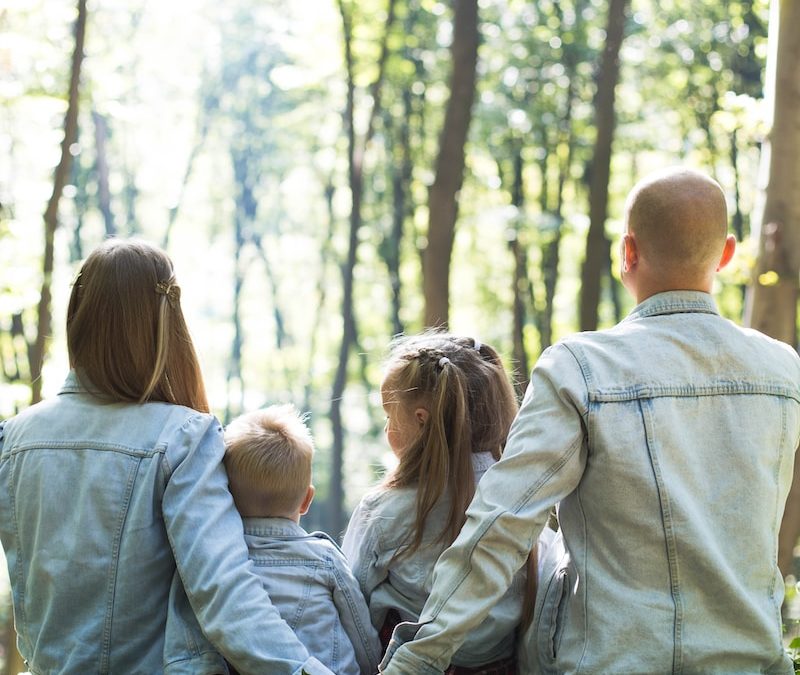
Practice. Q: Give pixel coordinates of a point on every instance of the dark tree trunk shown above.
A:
(598, 247)
(520, 280)
(772, 300)
(62, 172)
(356, 149)
(443, 196)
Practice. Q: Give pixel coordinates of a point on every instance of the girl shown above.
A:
(449, 406)
(115, 500)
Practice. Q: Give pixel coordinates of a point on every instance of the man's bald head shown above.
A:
(679, 220)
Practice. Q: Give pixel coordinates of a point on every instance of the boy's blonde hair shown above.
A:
(268, 456)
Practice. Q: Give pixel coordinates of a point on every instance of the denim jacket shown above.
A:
(668, 442)
(310, 583)
(101, 504)
(378, 528)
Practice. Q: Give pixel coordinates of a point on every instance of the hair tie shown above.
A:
(170, 289)
(477, 346)
(443, 362)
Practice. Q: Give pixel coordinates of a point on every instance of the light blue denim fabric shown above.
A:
(668, 442)
(379, 527)
(309, 581)
(100, 504)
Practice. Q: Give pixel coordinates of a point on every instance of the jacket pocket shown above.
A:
(552, 617)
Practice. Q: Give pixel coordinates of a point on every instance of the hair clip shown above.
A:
(170, 289)
(477, 346)
(443, 362)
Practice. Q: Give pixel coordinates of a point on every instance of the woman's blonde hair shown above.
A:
(126, 335)
(471, 404)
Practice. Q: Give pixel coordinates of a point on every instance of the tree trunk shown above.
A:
(520, 280)
(443, 196)
(772, 299)
(62, 172)
(356, 148)
(598, 247)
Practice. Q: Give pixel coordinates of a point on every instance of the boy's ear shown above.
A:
(421, 415)
(727, 252)
(307, 500)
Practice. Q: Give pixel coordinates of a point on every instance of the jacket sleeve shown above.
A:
(207, 539)
(544, 460)
(354, 615)
(363, 548)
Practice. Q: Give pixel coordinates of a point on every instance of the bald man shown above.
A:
(667, 445)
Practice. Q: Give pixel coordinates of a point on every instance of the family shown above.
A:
(623, 519)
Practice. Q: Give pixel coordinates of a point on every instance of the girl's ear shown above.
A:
(421, 415)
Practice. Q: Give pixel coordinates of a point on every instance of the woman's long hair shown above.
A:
(471, 405)
(126, 335)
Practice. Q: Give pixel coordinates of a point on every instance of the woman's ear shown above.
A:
(421, 415)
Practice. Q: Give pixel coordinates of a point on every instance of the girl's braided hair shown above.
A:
(471, 404)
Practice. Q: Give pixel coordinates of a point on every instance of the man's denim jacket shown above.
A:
(668, 442)
(100, 504)
(379, 527)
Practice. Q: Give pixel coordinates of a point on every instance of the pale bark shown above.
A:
(443, 196)
(773, 296)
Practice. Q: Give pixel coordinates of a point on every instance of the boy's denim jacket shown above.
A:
(669, 443)
(310, 583)
(379, 527)
(100, 504)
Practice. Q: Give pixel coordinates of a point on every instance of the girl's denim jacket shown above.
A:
(101, 504)
(668, 442)
(379, 528)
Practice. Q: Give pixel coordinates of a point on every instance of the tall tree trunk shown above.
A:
(62, 172)
(772, 299)
(598, 247)
(520, 280)
(356, 148)
(443, 196)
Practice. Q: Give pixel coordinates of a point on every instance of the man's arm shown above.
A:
(543, 462)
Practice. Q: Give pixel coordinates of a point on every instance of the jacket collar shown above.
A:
(674, 302)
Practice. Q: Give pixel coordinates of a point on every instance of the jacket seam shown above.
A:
(669, 538)
(105, 656)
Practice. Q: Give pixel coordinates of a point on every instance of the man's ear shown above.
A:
(421, 415)
(727, 252)
(630, 252)
(307, 500)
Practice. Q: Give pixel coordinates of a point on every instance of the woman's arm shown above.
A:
(207, 539)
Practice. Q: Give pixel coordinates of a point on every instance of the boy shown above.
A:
(667, 443)
(268, 457)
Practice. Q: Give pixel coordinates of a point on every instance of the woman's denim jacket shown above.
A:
(669, 443)
(379, 528)
(100, 504)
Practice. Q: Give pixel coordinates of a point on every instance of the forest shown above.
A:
(330, 173)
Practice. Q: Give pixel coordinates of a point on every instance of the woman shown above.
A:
(115, 499)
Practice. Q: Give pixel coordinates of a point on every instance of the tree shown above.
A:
(356, 149)
(597, 243)
(61, 175)
(443, 196)
(773, 296)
